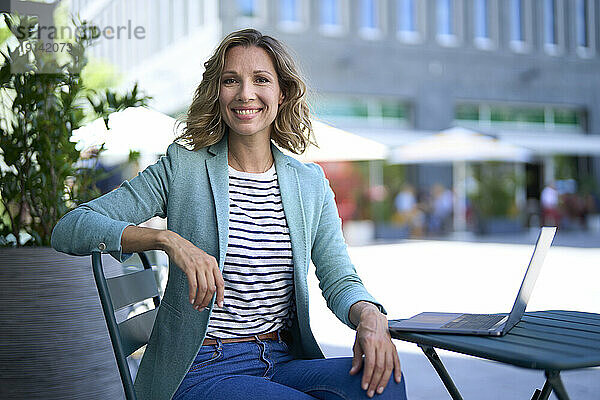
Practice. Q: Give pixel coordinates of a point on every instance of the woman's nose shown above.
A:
(245, 92)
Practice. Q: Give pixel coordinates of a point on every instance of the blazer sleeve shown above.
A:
(338, 280)
(99, 224)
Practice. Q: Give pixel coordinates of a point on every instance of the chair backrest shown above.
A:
(119, 292)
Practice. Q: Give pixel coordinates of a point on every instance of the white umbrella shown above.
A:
(338, 145)
(458, 146)
(136, 128)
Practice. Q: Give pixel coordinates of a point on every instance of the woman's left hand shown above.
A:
(373, 341)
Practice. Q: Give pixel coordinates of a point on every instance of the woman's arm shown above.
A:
(338, 280)
(108, 223)
(201, 269)
(137, 238)
(99, 224)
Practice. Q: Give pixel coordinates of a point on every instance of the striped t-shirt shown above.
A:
(258, 270)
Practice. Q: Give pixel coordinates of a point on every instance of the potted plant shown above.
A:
(494, 206)
(54, 336)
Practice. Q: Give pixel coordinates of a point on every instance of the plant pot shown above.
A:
(54, 340)
(495, 225)
(386, 231)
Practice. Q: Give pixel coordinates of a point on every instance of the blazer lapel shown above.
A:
(218, 176)
(289, 187)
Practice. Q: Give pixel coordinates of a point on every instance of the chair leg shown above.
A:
(553, 380)
(544, 393)
(441, 371)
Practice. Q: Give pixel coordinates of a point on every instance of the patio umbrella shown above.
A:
(338, 145)
(140, 129)
(458, 146)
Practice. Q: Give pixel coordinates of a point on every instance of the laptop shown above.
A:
(483, 324)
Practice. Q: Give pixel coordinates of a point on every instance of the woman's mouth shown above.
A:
(246, 111)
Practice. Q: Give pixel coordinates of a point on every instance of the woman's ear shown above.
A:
(281, 97)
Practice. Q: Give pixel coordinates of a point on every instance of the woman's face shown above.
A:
(249, 94)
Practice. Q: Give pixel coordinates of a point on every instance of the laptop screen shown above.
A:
(533, 271)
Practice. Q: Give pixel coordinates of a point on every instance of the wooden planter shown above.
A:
(53, 339)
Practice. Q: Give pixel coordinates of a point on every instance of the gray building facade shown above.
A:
(513, 68)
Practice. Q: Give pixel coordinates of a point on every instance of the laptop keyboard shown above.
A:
(474, 321)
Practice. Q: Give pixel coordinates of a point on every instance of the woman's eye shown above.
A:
(262, 80)
(229, 81)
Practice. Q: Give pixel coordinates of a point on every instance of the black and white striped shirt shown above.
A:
(258, 270)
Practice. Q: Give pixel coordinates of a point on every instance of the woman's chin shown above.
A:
(248, 132)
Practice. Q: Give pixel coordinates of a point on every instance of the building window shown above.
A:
(553, 26)
(520, 25)
(196, 14)
(484, 23)
(332, 16)
(411, 20)
(289, 10)
(248, 8)
(251, 12)
(293, 15)
(361, 111)
(585, 26)
(371, 16)
(180, 18)
(448, 14)
(445, 17)
(521, 117)
(164, 12)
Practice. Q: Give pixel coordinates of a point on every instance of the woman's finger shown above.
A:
(193, 284)
(369, 368)
(357, 359)
(220, 286)
(378, 371)
(210, 289)
(201, 279)
(387, 373)
(397, 367)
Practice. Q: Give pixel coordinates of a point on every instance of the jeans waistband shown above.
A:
(265, 336)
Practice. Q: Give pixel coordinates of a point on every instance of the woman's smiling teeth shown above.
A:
(247, 112)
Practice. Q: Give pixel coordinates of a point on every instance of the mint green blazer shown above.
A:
(191, 189)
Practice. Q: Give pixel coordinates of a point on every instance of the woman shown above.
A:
(243, 222)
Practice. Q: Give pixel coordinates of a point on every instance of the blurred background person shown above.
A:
(442, 202)
(408, 212)
(549, 200)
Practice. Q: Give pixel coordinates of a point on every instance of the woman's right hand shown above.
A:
(202, 270)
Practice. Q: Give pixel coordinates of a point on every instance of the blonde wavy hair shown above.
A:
(203, 124)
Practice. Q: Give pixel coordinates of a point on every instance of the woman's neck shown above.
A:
(249, 153)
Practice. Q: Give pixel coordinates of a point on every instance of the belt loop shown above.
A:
(219, 344)
(279, 335)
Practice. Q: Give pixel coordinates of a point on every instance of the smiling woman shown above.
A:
(243, 222)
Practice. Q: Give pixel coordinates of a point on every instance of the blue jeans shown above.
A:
(265, 369)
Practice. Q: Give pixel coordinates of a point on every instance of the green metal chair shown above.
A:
(117, 293)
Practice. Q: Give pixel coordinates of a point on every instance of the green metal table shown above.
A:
(552, 341)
